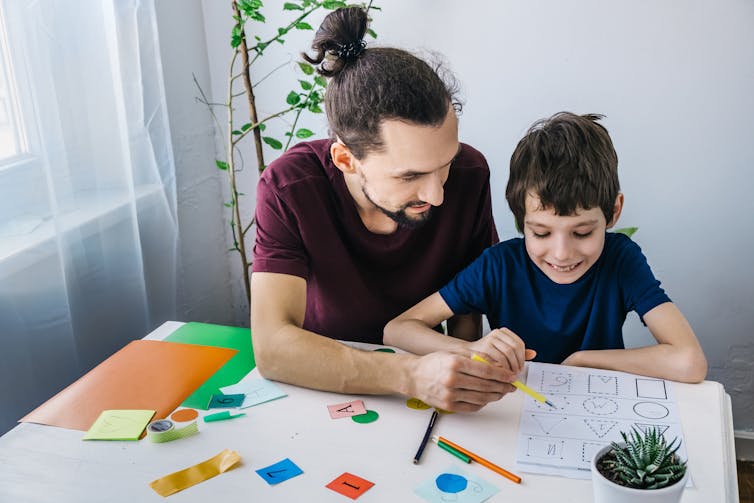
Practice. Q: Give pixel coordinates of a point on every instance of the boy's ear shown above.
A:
(617, 208)
(342, 157)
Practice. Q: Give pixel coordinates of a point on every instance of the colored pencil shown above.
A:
(479, 459)
(523, 387)
(442, 445)
(427, 434)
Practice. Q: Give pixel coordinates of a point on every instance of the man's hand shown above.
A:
(456, 383)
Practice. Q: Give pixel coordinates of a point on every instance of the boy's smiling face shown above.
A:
(565, 247)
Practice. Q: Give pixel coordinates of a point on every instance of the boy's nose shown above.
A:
(561, 250)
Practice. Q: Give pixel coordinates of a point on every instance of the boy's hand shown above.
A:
(502, 347)
(457, 383)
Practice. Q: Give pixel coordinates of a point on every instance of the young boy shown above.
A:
(564, 289)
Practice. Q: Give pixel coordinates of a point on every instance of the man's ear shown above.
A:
(617, 208)
(342, 157)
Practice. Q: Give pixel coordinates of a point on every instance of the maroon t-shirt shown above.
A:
(356, 280)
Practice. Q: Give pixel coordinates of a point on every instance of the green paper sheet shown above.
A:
(119, 425)
(221, 336)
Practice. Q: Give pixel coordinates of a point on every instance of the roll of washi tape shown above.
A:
(167, 430)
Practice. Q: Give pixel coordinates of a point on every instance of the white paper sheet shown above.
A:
(592, 407)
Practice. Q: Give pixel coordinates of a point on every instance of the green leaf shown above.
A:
(306, 68)
(628, 231)
(272, 142)
(257, 16)
(333, 4)
(314, 108)
(371, 33)
(306, 86)
(228, 205)
(246, 126)
(236, 131)
(320, 80)
(262, 126)
(280, 41)
(304, 133)
(292, 6)
(221, 164)
(303, 26)
(293, 98)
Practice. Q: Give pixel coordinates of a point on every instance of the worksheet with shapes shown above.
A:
(592, 407)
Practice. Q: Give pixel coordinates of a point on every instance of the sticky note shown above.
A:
(350, 485)
(454, 484)
(226, 401)
(347, 409)
(119, 425)
(257, 390)
(279, 472)
(221, 416)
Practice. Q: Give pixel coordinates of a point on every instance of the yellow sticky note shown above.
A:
(119, 425)
(180, 480)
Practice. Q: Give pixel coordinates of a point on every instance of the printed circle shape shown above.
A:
(651, 410)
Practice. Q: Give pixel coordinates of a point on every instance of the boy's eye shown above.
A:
(540, 234)
(582, 235)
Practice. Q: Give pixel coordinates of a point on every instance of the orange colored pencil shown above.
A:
(489, 464)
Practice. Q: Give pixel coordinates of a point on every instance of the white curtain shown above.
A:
(88, 230)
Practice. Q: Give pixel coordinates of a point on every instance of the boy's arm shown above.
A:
(676, 356)
(413, 330)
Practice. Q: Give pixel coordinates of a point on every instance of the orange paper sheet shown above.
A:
(153, 375)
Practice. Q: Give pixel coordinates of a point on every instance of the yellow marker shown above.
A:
(518, 384)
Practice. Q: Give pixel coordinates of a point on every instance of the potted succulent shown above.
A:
(644, 467)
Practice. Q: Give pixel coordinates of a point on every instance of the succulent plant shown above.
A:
(646, 461)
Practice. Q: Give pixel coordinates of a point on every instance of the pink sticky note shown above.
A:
(347, 409)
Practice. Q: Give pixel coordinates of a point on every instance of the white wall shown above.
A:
(675, 79)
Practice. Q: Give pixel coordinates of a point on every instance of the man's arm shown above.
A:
(676, 356)
(284, 351)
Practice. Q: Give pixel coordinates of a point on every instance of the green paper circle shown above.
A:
(369, 416)
(385, 350)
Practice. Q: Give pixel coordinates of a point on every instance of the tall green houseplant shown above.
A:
(240, 120)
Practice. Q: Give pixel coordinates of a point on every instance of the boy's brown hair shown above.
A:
(568, 162)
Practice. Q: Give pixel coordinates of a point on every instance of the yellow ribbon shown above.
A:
(180, 480)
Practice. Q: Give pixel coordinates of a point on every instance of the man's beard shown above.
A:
(400, 216)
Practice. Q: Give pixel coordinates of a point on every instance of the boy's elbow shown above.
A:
(693, 367)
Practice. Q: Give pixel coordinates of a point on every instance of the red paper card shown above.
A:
(350, 485)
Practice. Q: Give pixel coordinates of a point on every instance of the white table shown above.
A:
(44, 463)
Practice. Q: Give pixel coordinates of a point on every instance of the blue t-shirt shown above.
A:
(557, 320)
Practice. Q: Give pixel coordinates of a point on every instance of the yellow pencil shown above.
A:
(523, 387)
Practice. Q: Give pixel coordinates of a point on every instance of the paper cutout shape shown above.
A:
(220, 336)
(184, 415)
(182, 479)
(257, 390)
(369, 416)
(279, 472)
(415, 403)
(347, 409)
(143, 375)
(226, 401)
(119, 425)
(440, 488)
(350, 485)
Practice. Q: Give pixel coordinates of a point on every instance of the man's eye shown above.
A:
(409, 178)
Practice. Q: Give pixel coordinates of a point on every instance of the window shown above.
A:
(12, 137)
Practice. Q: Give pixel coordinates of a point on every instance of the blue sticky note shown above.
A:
(456, 485)
(257, 390)
(279, 472)
(226, 401)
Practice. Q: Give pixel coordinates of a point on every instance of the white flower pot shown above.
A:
(607, 491)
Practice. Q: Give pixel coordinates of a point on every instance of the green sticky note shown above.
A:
(234, 370)
(221, 416)
(119, 425)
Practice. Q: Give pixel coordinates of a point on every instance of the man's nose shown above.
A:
(432, 190)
